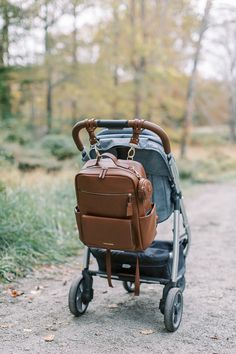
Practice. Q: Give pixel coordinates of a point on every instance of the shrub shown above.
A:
(59, 146)
(36, 227)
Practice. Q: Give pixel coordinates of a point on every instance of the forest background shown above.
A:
(170, 62)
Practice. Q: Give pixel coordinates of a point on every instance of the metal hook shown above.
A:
(131, 153)
(97, 151)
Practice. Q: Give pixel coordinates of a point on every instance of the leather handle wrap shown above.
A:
(131, 123)
(157, 130)
(110, 156)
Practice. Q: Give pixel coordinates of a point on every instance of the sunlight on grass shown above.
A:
(37, 223)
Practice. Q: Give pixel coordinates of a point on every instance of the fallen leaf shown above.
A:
(30, 298)
(112, 306)
(64, 282)
(146, 331)
(105, 292)
(49, 338)
(15, 293)
(214, 337)
(35, 292)
(51, 328)
(6, 325)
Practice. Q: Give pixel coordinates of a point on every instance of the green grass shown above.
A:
(37, 227)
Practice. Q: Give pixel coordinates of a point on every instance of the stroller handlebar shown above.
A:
(136, 124)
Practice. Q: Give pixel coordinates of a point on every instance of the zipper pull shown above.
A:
(129, 210)
(103, 173)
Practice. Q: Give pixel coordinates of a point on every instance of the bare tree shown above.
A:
(138, 60)
(227, 41)
(188, 115)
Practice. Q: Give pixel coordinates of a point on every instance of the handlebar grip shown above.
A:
(120, 124)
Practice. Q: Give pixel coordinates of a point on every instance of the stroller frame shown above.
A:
(81, 292)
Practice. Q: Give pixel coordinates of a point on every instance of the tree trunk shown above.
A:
(5, 89)
(188, 115)
(48, 71)
(138, 62)
(115, 54)
(49, 103)
(74, 107)
(232, 119)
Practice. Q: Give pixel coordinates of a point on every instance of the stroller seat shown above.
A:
(155, 261)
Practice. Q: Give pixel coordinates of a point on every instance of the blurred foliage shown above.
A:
(60, 146)
(128, 62)
(36, 227)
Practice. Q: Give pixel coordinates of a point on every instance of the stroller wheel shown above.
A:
(77, 304)
(181, 283)
(129, 286)
(173, 309)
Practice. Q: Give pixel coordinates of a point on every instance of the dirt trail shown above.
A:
(208, 324)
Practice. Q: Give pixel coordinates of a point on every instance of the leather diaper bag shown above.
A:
(114, 208)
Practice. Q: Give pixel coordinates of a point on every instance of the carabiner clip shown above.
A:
(96, 150)
(131, 153)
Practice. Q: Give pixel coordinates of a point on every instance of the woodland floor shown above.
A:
(38, 321)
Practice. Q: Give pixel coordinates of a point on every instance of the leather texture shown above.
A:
(114, 204)
(114, 207)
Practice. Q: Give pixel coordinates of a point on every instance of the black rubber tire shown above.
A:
(173, 309)
(129, 286)
(76, 305)
(181, 284)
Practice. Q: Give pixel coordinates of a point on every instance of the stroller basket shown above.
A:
(155, 261)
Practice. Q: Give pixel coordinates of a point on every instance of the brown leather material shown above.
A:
(137, 128)
(111, 214)
(108, 267)
(144, 189)
(90, 127)
(137, 279)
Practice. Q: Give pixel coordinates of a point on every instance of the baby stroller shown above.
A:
(164, 261)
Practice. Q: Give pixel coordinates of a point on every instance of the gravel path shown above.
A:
(38, 321)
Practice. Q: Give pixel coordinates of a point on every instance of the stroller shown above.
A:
(164, 261)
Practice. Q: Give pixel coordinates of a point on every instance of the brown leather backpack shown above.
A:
(114, 206)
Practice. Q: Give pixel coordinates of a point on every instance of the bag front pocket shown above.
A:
(111, 205)
(107, 233)
(148, 227)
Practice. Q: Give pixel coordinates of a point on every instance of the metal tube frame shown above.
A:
(179, 209)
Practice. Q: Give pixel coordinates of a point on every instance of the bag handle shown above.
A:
(109, 155)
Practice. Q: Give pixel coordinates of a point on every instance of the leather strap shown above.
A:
(109, 155)
(108, 267)
(138, 124)
(137, 279)
(90, 127)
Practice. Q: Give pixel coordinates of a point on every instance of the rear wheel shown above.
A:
(181, 283)
(76, 300)
(173, 309)
(129, 286)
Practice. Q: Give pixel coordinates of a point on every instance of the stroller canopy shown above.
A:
(150, 154)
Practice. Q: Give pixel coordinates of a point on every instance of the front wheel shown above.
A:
(173, 309)
(129, 286)
(77, 304)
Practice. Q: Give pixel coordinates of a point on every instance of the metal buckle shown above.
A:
(96, 150)
(131, 153)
